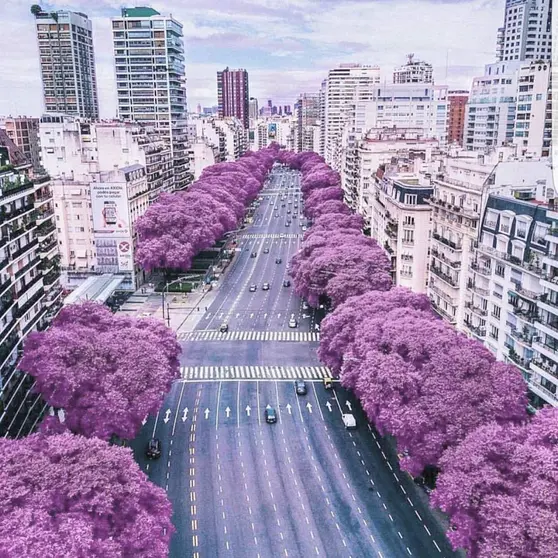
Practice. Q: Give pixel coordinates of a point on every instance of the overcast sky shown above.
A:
(287, 46)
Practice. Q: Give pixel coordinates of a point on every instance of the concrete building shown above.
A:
(308, 118)
(253, 111)
(150, 79)
(227, 136)
(456, 115)
(30, 292)
(322, 117)
(533, 111)
(24, 132)
(347, 86)
(280, 129)
(202, 155)
(490, 115)
(414, 71)
(527, 32)
(67, 61)
(105, 175)
(400, 220)
(233, 95)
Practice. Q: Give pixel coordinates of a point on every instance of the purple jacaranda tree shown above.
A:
(499, 489)
(330, 207)
(318, 197)
(66, 495)
(337, 331)
(446, 376)
(107, 372)
(338, 223)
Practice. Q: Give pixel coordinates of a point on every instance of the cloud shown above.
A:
(287, 47)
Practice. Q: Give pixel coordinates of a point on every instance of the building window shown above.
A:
(496, 311)
(408, 220)
(410, 199)
(494, 332)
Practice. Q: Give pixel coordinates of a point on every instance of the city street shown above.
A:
(304, 486)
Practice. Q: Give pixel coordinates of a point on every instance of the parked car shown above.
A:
(153, 450)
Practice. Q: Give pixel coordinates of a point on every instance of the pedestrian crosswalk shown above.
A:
(218, 373)
(213, 335)
(270, 235)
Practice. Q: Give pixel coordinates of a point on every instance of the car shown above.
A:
(253, 254)
(224, 327)
(277, 215)
(349, 421)
(270, 415)
(266, 250)
(253, 288)
(304, 228)
(292, 321)
(305, 305)
(288, 211)
(153, 450)
(282, 235)
(265, 287)
(300, 387)
(278, 260)
(295, 206)
(287, 224)
(282, 205)
(328, 383)
(290, 201)
(295, 215)
(286, 283)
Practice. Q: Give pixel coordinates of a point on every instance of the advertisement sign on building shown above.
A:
(109, 204)
(272, 131)
(125, 260)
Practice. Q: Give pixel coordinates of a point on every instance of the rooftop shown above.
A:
(97, 288)
(139, 11)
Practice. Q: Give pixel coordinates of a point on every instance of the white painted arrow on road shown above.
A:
(248, 409)
(328, 405)
(349, 405)
(167, 416)
(289, 408)
(309, 406)
(206, 413)
(144, 421)
(265, 315)
(228, 412)
(185, 415)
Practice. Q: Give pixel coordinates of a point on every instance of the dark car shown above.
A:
(153, 450)
(286, 283)
(223, 328)
(253, 254)
(300, 386)
(278, 261)
(270, 415)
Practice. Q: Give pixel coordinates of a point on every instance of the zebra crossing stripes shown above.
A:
(213, 335)
(221, 373)
(270, 235)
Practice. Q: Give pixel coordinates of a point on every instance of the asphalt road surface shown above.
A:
(304, 486)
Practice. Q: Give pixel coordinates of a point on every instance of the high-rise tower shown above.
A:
(232, 95)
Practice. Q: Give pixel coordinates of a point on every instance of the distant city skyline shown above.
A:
(287, 50)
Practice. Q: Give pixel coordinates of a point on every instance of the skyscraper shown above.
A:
(67, 63)
(308, 116)
(150, 79)
(253, 108)
(414, 71)
(232, 94)
(526, 34)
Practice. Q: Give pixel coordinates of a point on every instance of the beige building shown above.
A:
(24, 132)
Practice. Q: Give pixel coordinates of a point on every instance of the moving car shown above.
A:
(253, 288)
(305, 305)
(153, 450)
(349, 421)
(304, 228)
(253, 254)
(287, 224)
(278, 260)
(292, 321)
(300, 387)
(286, 283)
(328, 383)
(270, 415)
(224, 328)
(266, 250)
(288, 211)
(265, 287)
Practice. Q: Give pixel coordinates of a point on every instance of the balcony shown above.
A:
(45, 229)
(521, 362)
(530, 316)
(436, 202)
(22, 310)
(448, 298)
(525, 293)
(480, 291)
(24, 249)
(524, 337)
(391, 230)
(544, 393)
(441, 256)
(476, 330)
(444, 276)
(11, 188)
(42, 216)
(476, 309)
(28, 285)
(483, 270)
(446, 242)
(443, 313)
(6, 216)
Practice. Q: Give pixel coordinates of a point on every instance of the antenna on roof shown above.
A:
(410, 57)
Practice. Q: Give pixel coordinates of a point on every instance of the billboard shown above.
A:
(272, 131)
(109, 205)
(125, 259)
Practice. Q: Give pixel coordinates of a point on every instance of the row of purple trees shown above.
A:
(451, 407)
(66, 491)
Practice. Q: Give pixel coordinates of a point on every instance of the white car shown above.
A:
(349, 421)
(292, 321)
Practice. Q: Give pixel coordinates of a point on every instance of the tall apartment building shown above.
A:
(150, 79)
(490, 116)
(347, 86)
(253, 111)
(24, 132)
(400, 220)
(533, 111)
(226, 135)
(104, 177)
(322, 100)
(233, 95)
(413, 72)
(456, 115)
(67, 61)
(280, 129)
(526, 34)
(30, 292)
(308, 118)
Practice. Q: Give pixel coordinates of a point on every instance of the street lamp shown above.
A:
(166, 287)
